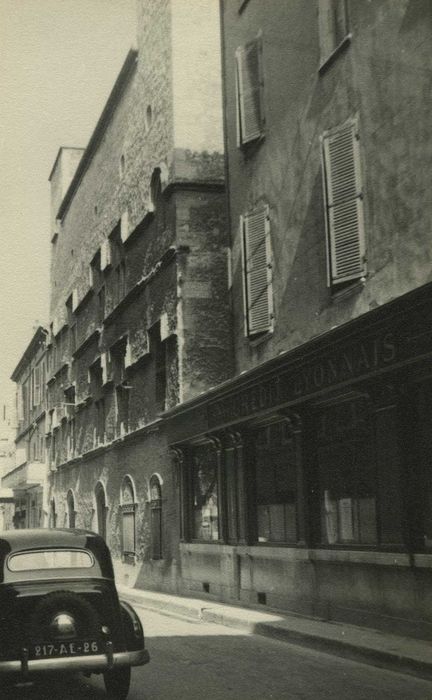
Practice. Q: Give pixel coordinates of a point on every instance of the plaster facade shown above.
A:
(305, 478)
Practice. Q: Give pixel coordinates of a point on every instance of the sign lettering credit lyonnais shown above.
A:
(289, 385)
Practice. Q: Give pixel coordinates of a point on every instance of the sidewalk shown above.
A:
(362, 644)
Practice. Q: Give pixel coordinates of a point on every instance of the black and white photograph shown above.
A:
(216, 350)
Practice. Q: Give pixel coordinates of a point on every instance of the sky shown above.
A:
(58, 62)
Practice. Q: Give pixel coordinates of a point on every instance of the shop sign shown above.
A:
(304, 379)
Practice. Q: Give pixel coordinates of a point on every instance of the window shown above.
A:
(258, 295)
(96, 376)
(36, 386)
(250, 114)
(54, 452)
(276, 483)
(333, 27)
(51, 559)
(95, 270)
(101, 305)
(120, 281)
(100, 421)
(70, 510)
(53, 514)
(347, 474)
(156, 517)
(346, 254)
(71, 438)
(101, 510)
(205, 523)
(128, 508)
(122, 394)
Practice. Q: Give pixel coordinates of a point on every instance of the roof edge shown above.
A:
(40, 334)
(63, 148)
(120, 84)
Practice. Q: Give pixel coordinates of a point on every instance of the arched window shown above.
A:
(70, 502)
(128, 507)
(53, 514)
(156, 517)
(101, 510)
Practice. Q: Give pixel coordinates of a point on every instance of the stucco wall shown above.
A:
(384, 75)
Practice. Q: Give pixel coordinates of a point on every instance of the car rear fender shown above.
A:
(132, 627)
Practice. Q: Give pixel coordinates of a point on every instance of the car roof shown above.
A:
(12, 541)
(56, 537)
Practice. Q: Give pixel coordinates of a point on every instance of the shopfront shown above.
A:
(306, 483)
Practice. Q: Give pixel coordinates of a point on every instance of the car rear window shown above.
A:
(50, 559)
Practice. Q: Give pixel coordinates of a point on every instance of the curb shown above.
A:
(334, 637)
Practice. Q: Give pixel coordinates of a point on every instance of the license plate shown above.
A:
(58, 649)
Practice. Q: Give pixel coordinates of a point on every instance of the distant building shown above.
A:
(140, 314)
(305, 479)
(26, 478)
(7, 460)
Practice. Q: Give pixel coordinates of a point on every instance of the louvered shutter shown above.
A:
(250, 112)
(344, 200)
(258, 273)
(36, 392)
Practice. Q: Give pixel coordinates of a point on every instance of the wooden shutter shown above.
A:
(36, 392)
(128, 521)
(249, 85)
(258, 273)
(344, 204)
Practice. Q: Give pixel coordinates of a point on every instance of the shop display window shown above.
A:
(276, 488)
(205, 494)
(347, 475)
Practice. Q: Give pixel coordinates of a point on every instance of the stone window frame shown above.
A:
(156, 516)
(126, 509)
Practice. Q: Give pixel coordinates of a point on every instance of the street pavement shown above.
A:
(350, 641)
(195, 659)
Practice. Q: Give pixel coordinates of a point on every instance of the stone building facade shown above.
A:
(139, 308)
(305, 479)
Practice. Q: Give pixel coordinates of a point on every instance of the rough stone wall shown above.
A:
(174, 252)
(384, 75)
(140, 460)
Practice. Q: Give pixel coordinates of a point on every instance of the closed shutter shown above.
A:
(258, 272)
(344, 203)
(36, 393)
(128, 517)
(249, 85)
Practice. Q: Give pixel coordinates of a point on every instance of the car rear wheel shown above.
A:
(117, 682)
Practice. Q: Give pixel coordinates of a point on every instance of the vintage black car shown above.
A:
(59, 610)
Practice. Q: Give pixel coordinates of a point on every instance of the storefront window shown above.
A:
(276, 489)
(347, 474)
(205, 493)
